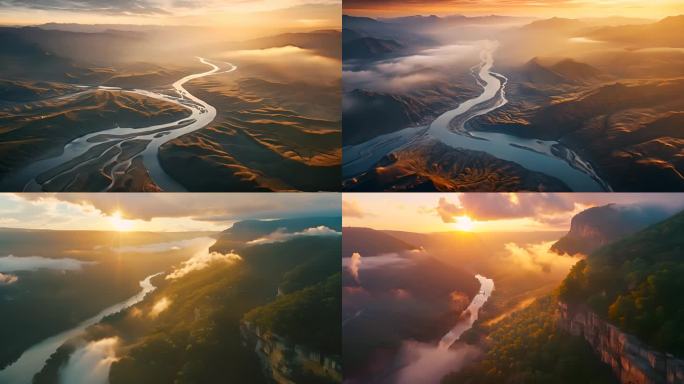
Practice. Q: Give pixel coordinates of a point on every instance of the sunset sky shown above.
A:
(233, 14)
(535, 8)
(167, 212)
(484, 212)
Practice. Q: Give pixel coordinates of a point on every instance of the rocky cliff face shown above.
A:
(631, 360)
(286, 363)
(598, 226)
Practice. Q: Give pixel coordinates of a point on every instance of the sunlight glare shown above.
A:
(119, 223)
(464, 223)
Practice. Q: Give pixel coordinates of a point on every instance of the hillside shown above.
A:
(244, 231)
(528, 347)
(325, 43)
(666, 32)
(566, 71)
(371, 242)
(636, 283)
(369, 47)
(191, 329)
(599, 226)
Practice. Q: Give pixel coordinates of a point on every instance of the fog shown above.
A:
(160, 306)
(31, 263)
(538, 258)
(7, 279)
(286, 64)
(280, 236)
(418, 70)
(90, 364)
(426, 363)
(198, 242)
(354, 265)
(202, 259)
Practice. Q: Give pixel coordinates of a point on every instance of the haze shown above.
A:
(247, 18)
(542, 8)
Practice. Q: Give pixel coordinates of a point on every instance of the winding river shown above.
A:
(429, 362)
(106, 147)
(472, 313)
(34, 358)
(547, 157)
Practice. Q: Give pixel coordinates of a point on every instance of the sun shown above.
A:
(119, 223)
(464, 223)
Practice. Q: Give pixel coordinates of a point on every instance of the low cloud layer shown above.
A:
(201, 260)
(7, 279)
(160, 306)
(414, 71)
(31, 263)
(281, 236)
(426, 363)
(354, 266)
(539, 258)
(379, 261)
(90, 364)
(198, 242)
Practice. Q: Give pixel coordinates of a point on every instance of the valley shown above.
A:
(125, 305)
(121, 113)
(543, 110)
(502, 307)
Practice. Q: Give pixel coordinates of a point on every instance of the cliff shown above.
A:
(287, 363)
(632, 361)
(598, 226)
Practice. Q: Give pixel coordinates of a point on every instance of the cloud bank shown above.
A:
(6, 279)
(31, 263)
(201, 260)
(280, 236)
(91, 363)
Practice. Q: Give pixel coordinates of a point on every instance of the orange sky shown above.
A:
(483, 212)
(537, 8)
(156, 212)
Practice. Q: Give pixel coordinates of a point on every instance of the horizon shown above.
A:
(488, 212)
(533, 18)
(517, 8)
(140, 212)
(246, 18)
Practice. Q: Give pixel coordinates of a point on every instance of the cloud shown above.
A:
(538, 257)
(380, 261)
(201, 260)
(354, 266)
(6, 279)
(495, 206)
(426, 363)
(204, 206)
(351, 208)
(280, 236)
(160, 306)
(90, 364)
(407, 73)
(110, 7)
(448, 211)
(166, 246)
(31, 263)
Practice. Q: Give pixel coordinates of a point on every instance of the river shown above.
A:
(79, 154)
(544, 156)
(429, 362)
(34, 358)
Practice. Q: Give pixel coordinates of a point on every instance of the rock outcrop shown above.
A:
(287, 363)
(598, 226)
(632, 361)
